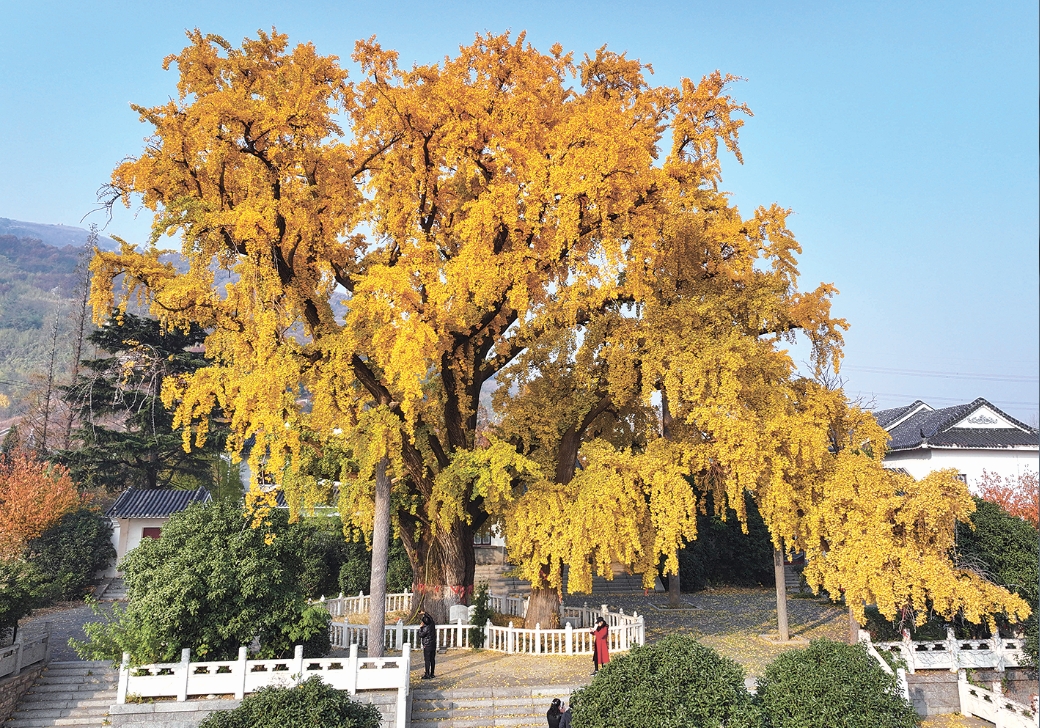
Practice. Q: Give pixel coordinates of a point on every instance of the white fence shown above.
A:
(953, 654)
(625, 631)
(342, 607)
(243, 676)
(992, 706)
(28, 650)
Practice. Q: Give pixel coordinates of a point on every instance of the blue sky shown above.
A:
(903, 135)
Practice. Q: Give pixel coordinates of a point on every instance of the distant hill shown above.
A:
(57, 236)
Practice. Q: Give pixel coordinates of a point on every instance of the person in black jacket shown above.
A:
(553, 714)
(428, 639)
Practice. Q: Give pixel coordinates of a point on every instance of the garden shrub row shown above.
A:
(678, 683)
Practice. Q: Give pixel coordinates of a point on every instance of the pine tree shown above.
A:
(125, 435)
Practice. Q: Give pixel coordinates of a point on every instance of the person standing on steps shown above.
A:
(553, 714)
(600, 644)
(428, 639)
(565, 716)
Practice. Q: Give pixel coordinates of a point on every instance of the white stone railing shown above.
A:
(625, 631)
(992, 706)
(28, 650)
(342, 607)
(901, 682)
(240, 677)
(449, 636)
(567, 641)
(953, 654)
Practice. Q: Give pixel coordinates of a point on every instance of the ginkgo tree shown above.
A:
(368, 256)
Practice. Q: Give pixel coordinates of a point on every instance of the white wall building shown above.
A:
(140, 513)
(969, 438)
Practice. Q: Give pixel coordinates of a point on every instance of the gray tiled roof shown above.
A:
(937, 427)
(146, 503)
(886, 417)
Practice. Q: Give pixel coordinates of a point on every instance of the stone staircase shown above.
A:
(68, 694)
(113, 590)
(499, 583)
(485, 707)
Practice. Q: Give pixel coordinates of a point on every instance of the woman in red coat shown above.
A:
(600, 644)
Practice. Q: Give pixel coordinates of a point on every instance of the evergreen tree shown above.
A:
(125, 435)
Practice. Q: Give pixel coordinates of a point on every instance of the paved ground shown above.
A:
(954, 721)
(730, 620)
(67, 621)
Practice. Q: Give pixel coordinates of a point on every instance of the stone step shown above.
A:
(68, 693)
(72, 687)
(90, 721)
(80, 678)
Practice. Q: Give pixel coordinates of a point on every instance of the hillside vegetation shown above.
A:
(38, 282)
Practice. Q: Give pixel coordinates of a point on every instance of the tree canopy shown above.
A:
(507, 218)
(34, 495)
(125, 435)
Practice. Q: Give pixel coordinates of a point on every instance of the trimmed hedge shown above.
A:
(674, 683)
(311, 704)
(832, 685)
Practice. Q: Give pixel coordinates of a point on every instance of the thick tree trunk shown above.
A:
(674, 591)
(674, 586)
(442, 568)
(781, 594)
(380, 550)
(853, 628)
(543, 607)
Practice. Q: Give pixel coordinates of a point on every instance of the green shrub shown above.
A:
(19, 581)
(211, 584)
(356, 573)
(674, 683)
(724, 554)
(482, 612)
(70, 553)
(1004, 548)
(832, 685)
(312, 704)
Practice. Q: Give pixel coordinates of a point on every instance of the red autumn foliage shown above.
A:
(34, 494)
(1018, 495)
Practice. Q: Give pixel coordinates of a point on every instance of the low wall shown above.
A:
(190, 713)
(13, 688)
(934, 692)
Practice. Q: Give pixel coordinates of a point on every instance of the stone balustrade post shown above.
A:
(297, 668)
(487, 635)
(352, 669)
(185, 668)
(570, 639)
(538, 638)
(124, 678)
(509, 639)
(997, 645)
(954, 648)
(243, 672)
(399, 634)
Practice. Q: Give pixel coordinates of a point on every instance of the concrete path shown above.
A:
(64, 624)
